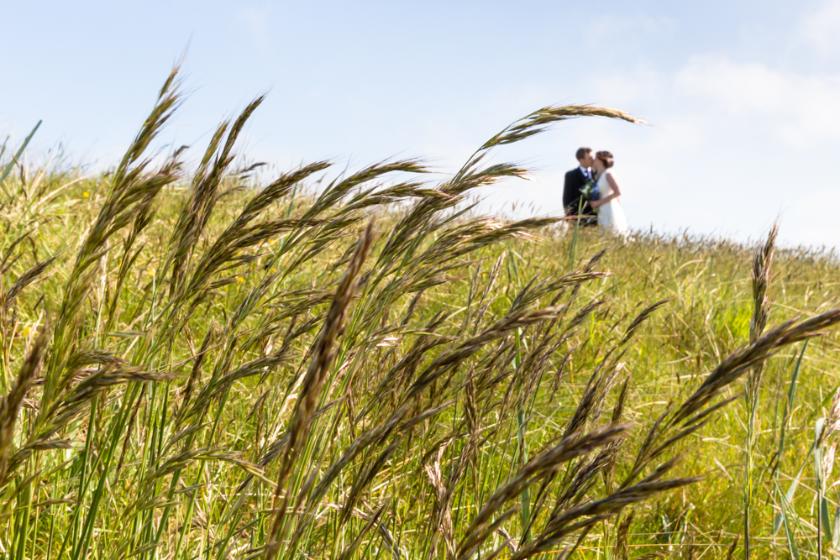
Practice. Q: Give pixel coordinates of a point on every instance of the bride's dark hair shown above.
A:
(606, 158)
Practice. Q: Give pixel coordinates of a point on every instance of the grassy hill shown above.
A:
(196, 368)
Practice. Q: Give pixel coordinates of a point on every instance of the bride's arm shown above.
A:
(615, 193)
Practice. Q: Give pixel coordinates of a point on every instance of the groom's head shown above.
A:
(584, 157)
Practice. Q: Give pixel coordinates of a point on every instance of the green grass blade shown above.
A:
(7, 169)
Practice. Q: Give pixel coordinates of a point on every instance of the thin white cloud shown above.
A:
(255, 21)
(812, 213)
(737, 87)
(821, 27)
(610, 26)
(800, 108)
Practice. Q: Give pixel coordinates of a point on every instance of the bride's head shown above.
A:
(603, 160)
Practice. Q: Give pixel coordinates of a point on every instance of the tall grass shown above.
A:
(198, 366)
(761, 278)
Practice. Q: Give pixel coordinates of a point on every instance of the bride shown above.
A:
(610, 213)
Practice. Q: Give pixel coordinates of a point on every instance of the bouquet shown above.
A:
(590, 191)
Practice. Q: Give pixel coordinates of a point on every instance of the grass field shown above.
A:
(196, 368)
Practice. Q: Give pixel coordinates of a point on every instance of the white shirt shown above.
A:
(586, 172)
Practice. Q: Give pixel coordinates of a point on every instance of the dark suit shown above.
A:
(573, 202)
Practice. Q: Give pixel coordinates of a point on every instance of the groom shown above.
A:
(575, 201)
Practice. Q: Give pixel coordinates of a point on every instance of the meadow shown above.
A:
(203, 363)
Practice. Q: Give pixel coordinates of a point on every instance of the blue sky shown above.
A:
(742, 97)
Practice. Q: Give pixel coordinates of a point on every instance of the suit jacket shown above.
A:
(572, 186)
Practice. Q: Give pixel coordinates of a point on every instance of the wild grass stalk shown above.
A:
(760, 281)
(15, 159)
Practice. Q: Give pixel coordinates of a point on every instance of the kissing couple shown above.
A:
(591, 194)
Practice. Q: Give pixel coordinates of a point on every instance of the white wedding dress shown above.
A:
(610, 215)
